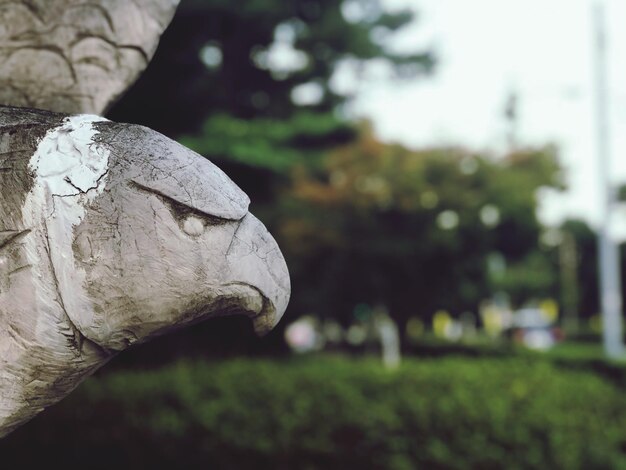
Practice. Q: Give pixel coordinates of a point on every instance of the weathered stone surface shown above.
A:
(111, 234)
(76, 56)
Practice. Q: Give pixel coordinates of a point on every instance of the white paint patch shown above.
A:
(70, 170)
(68, 161)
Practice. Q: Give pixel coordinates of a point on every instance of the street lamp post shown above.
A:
(609, 256)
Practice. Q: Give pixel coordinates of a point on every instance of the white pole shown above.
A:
(608, 250)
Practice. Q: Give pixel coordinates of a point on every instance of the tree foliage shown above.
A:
(412, 229)
(245, 58)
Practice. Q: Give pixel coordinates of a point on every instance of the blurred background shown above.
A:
(432, 170)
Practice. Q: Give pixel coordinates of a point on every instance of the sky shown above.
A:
(542, 50)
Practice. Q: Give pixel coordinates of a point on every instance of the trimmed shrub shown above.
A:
(333, 413)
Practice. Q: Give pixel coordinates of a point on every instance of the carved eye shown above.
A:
(193, 225)
(191, 221)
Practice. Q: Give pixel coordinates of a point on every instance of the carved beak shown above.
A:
(255, 277)
(255, 261)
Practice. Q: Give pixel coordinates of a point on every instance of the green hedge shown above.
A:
(333, 413)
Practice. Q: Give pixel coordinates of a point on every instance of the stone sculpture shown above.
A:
(111, 234)
(76, 56)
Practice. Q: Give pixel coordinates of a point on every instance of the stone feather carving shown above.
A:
(111, 234)
(76, 56)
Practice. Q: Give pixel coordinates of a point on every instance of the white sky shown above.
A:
(486, 48)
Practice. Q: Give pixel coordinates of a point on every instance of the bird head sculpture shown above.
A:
(111, 234)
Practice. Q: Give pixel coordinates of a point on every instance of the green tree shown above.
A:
(245, 58)
(413, 229)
